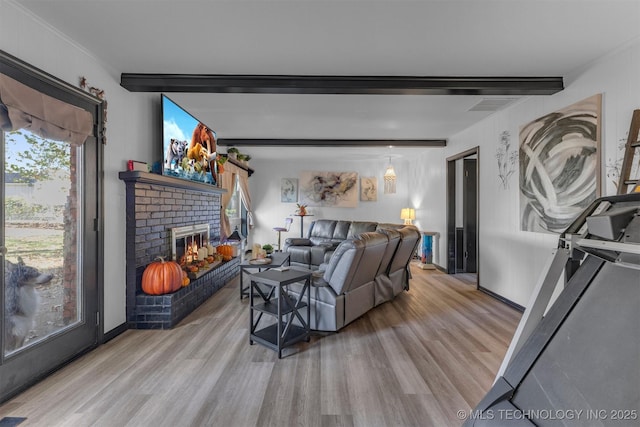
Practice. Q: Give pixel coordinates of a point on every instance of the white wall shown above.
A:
(131, 129)
(269, 212)
(511, 260)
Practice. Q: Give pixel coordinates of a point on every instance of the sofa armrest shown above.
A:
(297, 241)
(318, 252)
(327, 256)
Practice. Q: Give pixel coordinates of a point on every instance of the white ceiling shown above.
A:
(348, 37)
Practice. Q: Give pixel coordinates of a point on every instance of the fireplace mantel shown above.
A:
(170, 181)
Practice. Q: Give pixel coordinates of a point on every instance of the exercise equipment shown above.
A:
(577, 362)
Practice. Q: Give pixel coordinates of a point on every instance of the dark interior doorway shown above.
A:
(462, 214)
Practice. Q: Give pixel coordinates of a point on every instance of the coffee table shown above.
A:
(278, 259)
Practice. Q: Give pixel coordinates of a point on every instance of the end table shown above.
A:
(277, 302)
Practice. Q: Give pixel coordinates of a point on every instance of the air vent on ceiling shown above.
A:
(492, 104)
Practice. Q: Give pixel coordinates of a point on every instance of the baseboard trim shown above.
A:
(502, 299)
(440, 268)
(114, 333)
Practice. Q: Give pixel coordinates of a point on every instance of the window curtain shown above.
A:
(227, 179)
(243, 179)
(22, 107)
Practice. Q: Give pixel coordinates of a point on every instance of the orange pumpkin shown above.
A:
(161, 277)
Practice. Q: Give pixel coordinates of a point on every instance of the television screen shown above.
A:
(189, 146)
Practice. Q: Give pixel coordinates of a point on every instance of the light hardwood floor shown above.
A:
(414, 361)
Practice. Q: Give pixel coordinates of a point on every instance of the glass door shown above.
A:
(49, 248)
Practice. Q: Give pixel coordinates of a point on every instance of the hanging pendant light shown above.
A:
(390, 179)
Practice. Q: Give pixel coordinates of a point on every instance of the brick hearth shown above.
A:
(155, 204)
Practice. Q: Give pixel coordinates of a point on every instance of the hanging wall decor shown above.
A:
(507, 157)
(98, 93)
(389, 179)
(368, 188)
(289, 190)
(559, 166)
(334, 189)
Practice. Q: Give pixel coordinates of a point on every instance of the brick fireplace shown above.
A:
(155, 205)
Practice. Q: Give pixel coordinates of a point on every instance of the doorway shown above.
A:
(462, 215)
(50, 235)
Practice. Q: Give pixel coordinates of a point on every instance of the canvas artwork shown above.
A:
(368, 189)
(289, 190)
(333, 189)
(559, 166)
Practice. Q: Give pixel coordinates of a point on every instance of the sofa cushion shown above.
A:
(341, 231)
(318, 252)
(399, 267)
(343, 264)
(383, 286)
(394, 238)
(322, 229)
(358, 227)
(299, 255)
(374, 247)
(409, 237)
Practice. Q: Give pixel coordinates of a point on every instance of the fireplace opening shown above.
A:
(188, 240)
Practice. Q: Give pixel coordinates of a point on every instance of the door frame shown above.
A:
(30, 365)
(451, 210)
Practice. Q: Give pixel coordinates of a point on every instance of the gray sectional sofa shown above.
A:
(362, 272)
(323, 238)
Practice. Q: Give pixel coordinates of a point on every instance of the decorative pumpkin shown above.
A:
(185, 279)
(161, 277)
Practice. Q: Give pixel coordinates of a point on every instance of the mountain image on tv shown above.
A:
(189, 146)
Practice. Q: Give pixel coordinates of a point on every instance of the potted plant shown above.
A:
(233, 152)
(268, 248)
(220, 161)
(244, 159)
(302, 209)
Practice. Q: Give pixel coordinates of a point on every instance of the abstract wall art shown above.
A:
(332, 189)
(368, 189)
(559, 160)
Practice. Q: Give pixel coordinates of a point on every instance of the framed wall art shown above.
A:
(368, 189)
(559, 159)
(289, 190)
(333, 189)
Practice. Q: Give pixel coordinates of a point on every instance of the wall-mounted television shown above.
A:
(189, 146)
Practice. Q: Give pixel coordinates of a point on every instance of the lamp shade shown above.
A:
(408, 214)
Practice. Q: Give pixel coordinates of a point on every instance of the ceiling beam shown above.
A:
(340, 85)
(239, 142)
